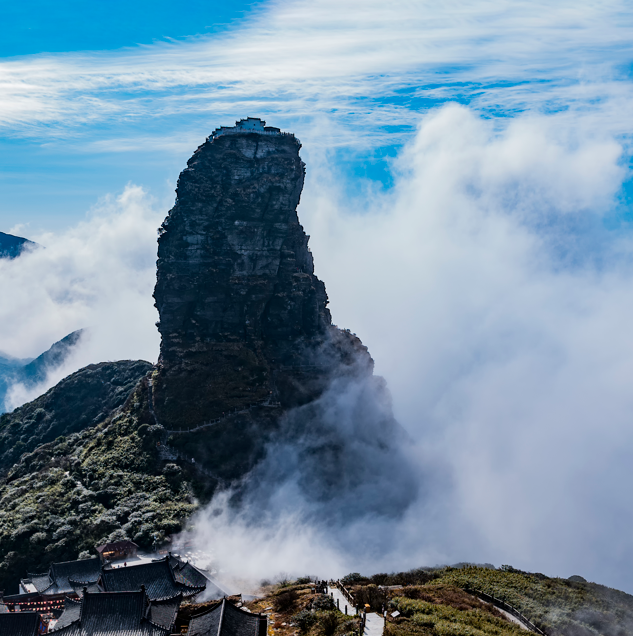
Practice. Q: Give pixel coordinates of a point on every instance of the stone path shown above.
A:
(337, 595)
(375, 625)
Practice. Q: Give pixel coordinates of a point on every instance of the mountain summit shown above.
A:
(248, 350)
(12, 246)
(243, 318)
(256, 395)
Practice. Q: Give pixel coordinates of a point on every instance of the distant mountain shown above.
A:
(12, 246)
(31, 371)
(36, 370)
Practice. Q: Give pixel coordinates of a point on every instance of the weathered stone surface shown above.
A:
(242, 315)
(244, 321)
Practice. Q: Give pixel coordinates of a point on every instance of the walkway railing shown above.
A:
(501, 604)
(362, 614)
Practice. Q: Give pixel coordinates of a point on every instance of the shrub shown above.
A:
(285, 602)
(371, 595)
(323, 602)
(351, 578)
(328, 623)
(304, 620)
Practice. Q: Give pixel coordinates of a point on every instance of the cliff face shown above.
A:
(243, 318)
(253, 379)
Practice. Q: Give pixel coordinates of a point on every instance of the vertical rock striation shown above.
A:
(242, 315)
(243, 319)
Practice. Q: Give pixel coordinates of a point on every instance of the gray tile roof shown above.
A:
(185, 572)
(113, 614)
(157, 577)
(65, 577)
(71, 613)
(19, 624)
(224, 619)
(164, 611)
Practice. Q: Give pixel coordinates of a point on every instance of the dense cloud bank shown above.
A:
(495, 296)
(493, 287)
(100, 275)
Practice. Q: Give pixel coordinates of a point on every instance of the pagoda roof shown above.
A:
(224, 619)
(187, 573)
(71, 613)
(66, 577)
(157, 577)
(19, 624)
(112, 614)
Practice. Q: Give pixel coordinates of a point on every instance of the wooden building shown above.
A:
(118, 550)
(117, 614)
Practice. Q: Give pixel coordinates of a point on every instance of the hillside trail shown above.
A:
(374, 623)
(341, 602)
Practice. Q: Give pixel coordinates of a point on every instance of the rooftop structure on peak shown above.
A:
(224, 619)
(248, 125)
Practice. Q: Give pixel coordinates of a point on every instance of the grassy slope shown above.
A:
(81, 400)
(561, 607)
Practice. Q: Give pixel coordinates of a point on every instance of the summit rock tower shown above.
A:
(248, 350)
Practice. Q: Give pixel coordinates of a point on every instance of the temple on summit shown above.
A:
(250, 124)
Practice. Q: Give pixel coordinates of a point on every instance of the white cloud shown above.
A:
(98, 275)
(509, 360)
(506, 341)
(297, 59)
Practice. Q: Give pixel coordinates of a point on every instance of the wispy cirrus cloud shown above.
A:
(367, 69)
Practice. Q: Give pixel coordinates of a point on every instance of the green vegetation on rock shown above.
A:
(100, 484)
(79, 401)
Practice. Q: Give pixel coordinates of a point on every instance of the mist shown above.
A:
(492, 284)
(98, 275)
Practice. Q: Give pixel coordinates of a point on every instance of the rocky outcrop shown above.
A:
(243, 318)
(250, 360)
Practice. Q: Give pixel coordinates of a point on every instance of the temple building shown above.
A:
(117, 614)
(189, 574)
(224, 619)
(63, 578)
(250, 124)
(157, 578)
(21, 624)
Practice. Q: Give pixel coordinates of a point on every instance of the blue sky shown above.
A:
(38, 26)
(103, 94)
(468, 197)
